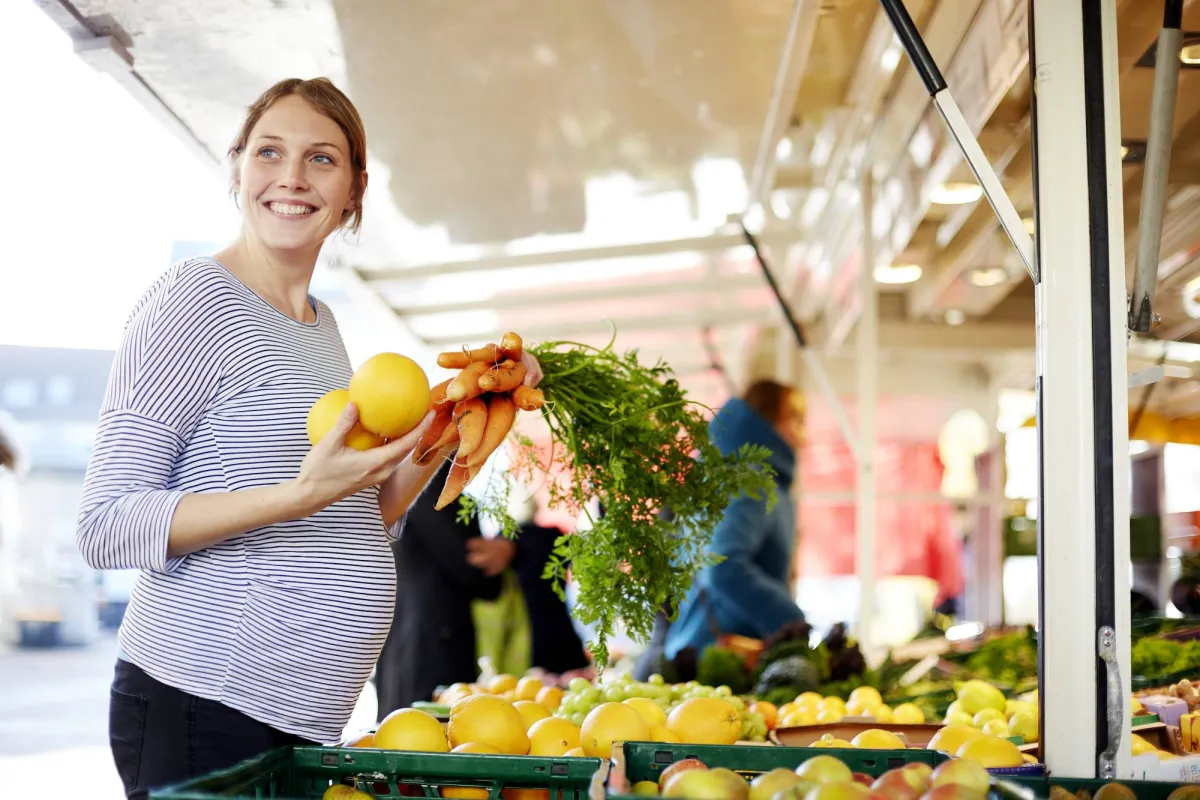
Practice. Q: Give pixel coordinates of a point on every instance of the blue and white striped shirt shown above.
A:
(209, 392)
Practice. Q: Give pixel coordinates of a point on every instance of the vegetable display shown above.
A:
(624, 434)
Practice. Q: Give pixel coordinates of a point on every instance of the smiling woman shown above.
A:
(267, 580)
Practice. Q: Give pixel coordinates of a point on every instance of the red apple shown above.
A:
(842, 790)
(737, 788)
(894, 784)
(824, 769)
(863, 778)
(961, 772)
(950, 791)
(917, 774)
(697, 784)
(678, 767)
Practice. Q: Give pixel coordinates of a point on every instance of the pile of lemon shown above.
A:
(811, 708)
(984, 707)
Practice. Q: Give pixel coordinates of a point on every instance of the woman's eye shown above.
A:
(268, 152)
(324, 159)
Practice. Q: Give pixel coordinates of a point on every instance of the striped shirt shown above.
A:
(209, 392)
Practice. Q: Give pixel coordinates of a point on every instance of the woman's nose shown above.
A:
(294, 175)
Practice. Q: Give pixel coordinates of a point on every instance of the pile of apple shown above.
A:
(822, 777)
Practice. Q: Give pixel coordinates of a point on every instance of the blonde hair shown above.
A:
(329, 100)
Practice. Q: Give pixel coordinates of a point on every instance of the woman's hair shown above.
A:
(326, 98)
(768, 398)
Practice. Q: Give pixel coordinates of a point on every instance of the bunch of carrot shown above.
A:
(476, 409)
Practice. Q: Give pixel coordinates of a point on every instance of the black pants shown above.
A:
(161, 736)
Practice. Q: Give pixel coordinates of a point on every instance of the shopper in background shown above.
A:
(267, 580)
(748, 592)
(432, 642)
(556, 646)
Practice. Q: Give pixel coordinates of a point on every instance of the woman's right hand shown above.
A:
(332, 471)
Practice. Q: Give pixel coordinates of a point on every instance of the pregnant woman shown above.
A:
(267, 579)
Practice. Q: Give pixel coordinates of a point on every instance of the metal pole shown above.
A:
(867, 369)
(935, 84)
(1083, 495)
(810, 358)
(1158, 161)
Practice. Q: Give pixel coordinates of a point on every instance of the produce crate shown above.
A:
(645, 761)
(305, 773)
(1143, 790)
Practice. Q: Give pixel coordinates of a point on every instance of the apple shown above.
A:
(950, 791)
(797, 791)
(863, 778)
(697, 784)
(895, 785)
(842, 790)
(767, 785)
(678, 767)
(645, 789)
(738, 788)
(961, 772)
(917, 774)
(824, 769)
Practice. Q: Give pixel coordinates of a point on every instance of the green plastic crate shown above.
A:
(305, 773)
(1143, 790)
(645, 761)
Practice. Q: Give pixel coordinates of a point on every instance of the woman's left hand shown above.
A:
(533, 370)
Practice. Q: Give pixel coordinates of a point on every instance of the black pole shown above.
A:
(914, 45)
(797, 331)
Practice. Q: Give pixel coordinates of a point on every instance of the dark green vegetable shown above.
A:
(792, 672)
(720, 667)
(626, 434)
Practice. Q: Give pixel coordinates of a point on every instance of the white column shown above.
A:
(867, 372)
(1083, 517)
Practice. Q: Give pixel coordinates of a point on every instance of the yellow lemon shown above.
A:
(650, 710)
(985, 716)
(876, 739)
(950, 738)
(800, 718)
(613, 722)
(411, 729)
(553, 736)
(1020, 706)
(324, 414)
(882, 714)
(476, 747)
(996, 727)
(809, 699)
(551, 697)
(866, 697)
(991, 752)
(828, 740)
(976, 695)
(661, 733)
(908, 714)
(502, 683)
(958, 718)
(531, 711)
(1024, 725)
(528, 688)
(705, 720)
(490, 720)
(833, 704)
(392, 394)
(829, 716)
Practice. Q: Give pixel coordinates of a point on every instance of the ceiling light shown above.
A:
(955, 316)
(783, 150)
(1030, 225)
(956, 194)
(897, 273)
(1190, 54)
(988, 276)
(890, 58)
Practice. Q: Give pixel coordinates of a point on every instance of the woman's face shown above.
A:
(294, 179)
(791, 420)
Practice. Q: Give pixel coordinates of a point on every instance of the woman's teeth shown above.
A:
(290, 209)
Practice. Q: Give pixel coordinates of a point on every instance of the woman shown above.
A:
(748, 592)
(267, 579)
(432, 641)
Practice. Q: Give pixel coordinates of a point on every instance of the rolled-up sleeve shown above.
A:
(163, 374)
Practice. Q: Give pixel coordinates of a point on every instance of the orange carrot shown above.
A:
(427, 447)
(504, 377)
(454, 359)
(501, 415)
(489, 353)
(460, 475)
(437, 395)
(528, 399)
(511, 346)
(466, 385)
(471, 418)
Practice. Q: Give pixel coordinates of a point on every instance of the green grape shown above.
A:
(578, 717)
(724, 691)
(569, 703)
(657, 679)
(578, 685)
(692, 684)
(589, 697)
(614, 694)
(736, 702)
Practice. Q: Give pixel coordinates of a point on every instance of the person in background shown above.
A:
(556, 646)
(432, 640)
(748, 593)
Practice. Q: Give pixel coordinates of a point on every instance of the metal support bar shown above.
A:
(1082, 390)
(866, 348)
(1158, 164)
(923, 62)
(810, 358)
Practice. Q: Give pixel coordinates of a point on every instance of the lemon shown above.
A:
(832, 704)
(976, 695)
(1024, 725)
(476, 747)
(829, 716)
(866, 697)
(617, 722)
(908, 714)
(392, 394)
(491, 720)
(553, 736)
(324, 415)
(991, 752)
(531, 711)
(1020, 706)
(650, 710)
(950, 738)
(876, 739)
(800, 718)
(502, 683)
(550, 696)
(528, 688)
(705, 720)
(881, 714)
(959, 718)
(828, 740)
(986, 716)
(411, 729)
(996, 727)
(661, 733)
(809, 699)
